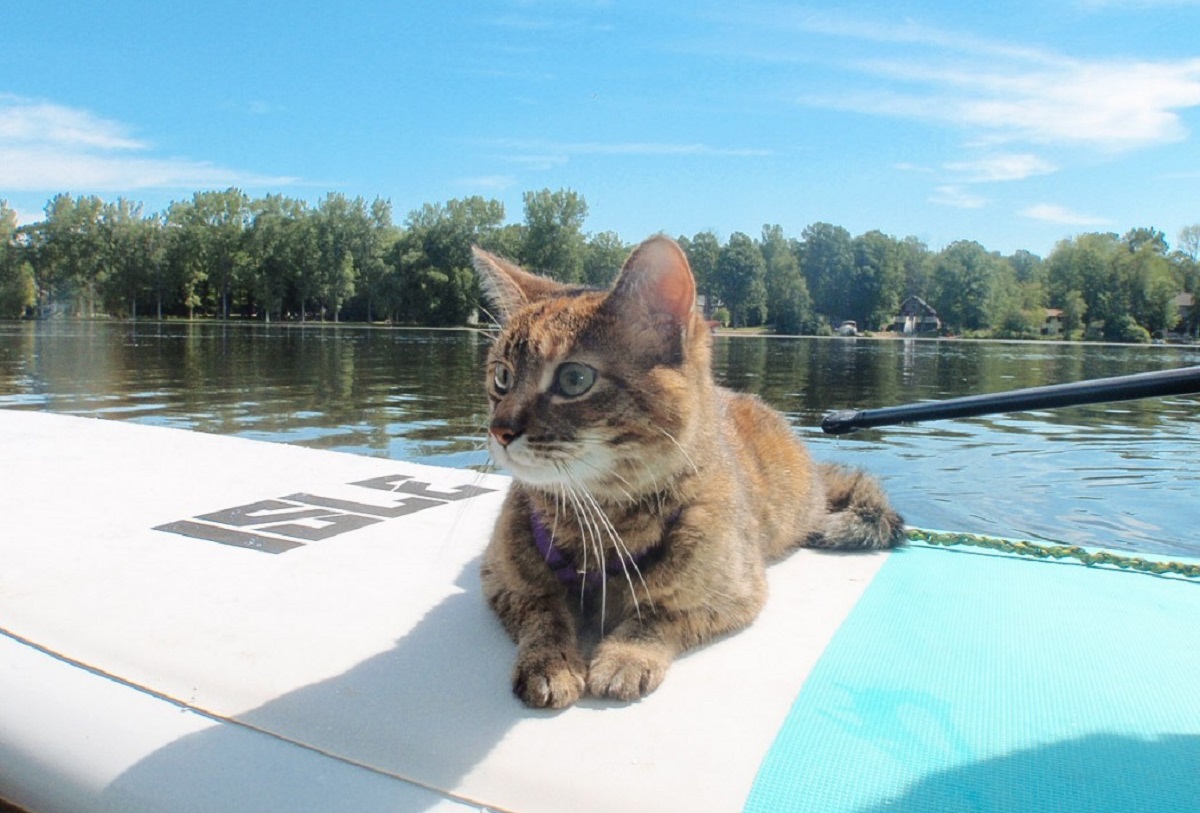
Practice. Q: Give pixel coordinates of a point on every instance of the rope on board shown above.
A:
(1045, 551)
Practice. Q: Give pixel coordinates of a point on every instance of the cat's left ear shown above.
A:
(507, 287)
(657, 276)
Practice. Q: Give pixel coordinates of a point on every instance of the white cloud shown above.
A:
(257, 107)
(38, 169)
(569, 148)
(539, 155)
(1100, 5)
(496, 182)
(908, 32)
(1001, 167)
(45, 147)
(957, 197)
(908, 166)
(1051, 213)
(535, 161)
(1007, 93)
(25, 121)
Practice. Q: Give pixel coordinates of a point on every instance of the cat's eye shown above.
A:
(573, 379)
(502, 379)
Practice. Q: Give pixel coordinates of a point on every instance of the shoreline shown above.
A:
(722, 332)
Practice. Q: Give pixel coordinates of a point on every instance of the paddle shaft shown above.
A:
(1183, 381)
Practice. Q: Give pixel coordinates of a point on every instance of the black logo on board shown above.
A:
(278, 525)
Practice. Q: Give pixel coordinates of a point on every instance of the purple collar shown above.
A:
(565, 570)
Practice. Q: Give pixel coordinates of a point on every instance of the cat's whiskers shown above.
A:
(590, 537)
(624, 555)
(683, 451)
(649, 485)
(594, 524)
(609, 472)
(656, 491)
(491, 330)
(560, 507)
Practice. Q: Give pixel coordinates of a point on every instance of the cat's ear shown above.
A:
(657, 276)
(506, 286)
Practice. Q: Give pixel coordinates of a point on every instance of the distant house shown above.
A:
(916, 316)
(1185, 305)
(1052, 326)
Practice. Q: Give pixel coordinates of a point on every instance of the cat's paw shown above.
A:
(626, 671)
(546, 679)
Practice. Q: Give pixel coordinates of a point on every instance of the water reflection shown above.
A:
(402, 394)
(1118, 475)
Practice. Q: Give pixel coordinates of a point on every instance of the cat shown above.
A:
(646, 500)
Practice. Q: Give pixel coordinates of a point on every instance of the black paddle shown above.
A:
(1183, 381)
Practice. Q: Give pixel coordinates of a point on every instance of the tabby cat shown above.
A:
(646, 500)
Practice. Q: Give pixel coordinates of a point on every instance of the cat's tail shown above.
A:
(858, 512)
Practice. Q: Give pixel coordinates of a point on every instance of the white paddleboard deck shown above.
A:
(197, 622)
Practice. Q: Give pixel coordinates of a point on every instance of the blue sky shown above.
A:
(1012, 123)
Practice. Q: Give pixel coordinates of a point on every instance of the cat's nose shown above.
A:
(503, 434)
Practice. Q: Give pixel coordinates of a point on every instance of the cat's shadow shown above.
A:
(429, 709)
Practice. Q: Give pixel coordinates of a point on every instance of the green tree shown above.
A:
(1125, 328)
(1186, 260)
(304, 240)
(827, 260)
(371, 243)
(970, 286)
(1123, 282)
(917, 261)
(1074, 309)
(133, 253)
(428, 295)
(432, 259)
(1083, 264)
(703, 252)
(352, 238)
(740, 279)
(790, 305)
(1028, 267)
(602, 259)
(445, 232)
(1146, 237)
(1148, 287)
(222, 253)
(224, 217)
(186, 270)
(1189, 241)
(337, 285)
(67, 249)
(17, 290)
(877, 282)
(206, 251)
(272, 245)
(1015, 310)
(554, 242)
(506, 240)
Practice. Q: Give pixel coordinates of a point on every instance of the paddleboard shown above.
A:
(192, 622)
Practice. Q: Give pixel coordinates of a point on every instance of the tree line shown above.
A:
(223, 254)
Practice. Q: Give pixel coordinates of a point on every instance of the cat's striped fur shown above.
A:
(604, 409)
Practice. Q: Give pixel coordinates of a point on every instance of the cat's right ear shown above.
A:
(506, 286)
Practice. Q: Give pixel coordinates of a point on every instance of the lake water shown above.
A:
(1124, 475)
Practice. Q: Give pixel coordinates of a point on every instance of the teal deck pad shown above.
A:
(967, 681)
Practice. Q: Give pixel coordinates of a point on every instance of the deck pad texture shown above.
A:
(988, 683)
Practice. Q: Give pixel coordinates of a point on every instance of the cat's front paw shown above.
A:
(546, 679)
(626, 671)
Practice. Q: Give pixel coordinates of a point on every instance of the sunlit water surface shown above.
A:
(1123, 475)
